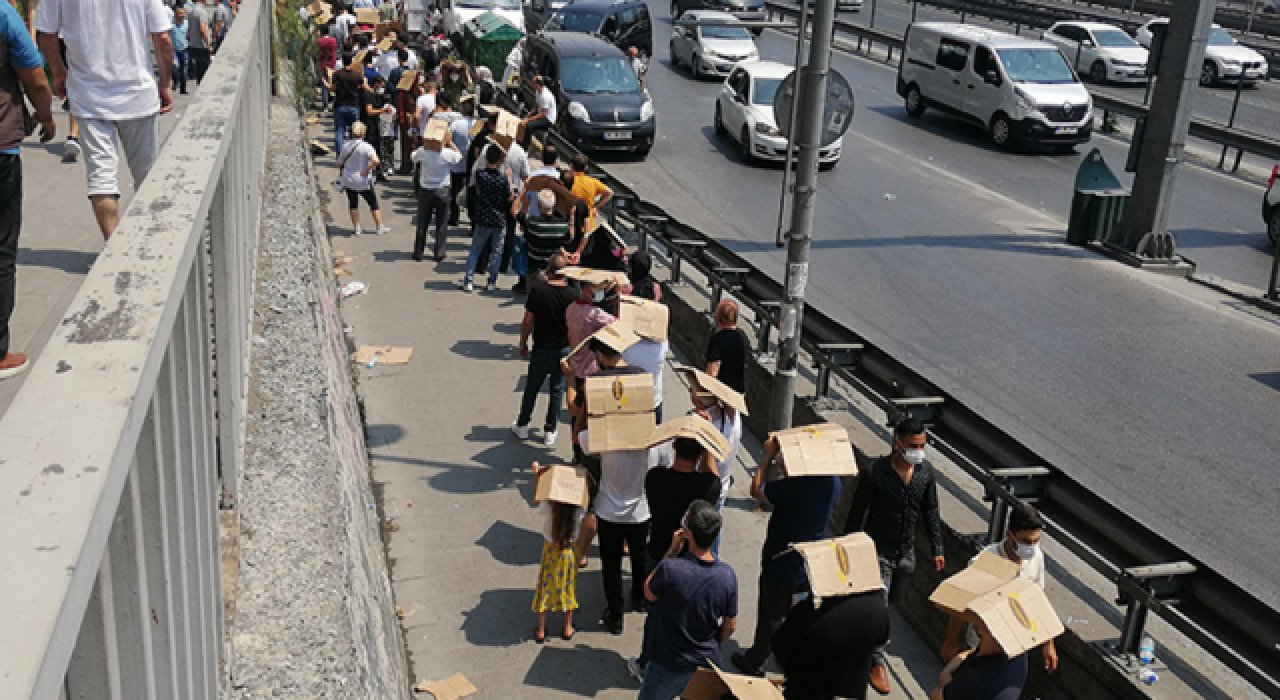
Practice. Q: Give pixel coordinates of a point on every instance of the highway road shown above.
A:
(1258, 106)
(1155, 392)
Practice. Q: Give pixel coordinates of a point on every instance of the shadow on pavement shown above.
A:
(382, 434)
(582, 670)
(512, 545)
(74, 261)
(484, 350)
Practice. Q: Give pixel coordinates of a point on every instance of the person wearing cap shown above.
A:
(544, 323)
(1021, 545)
(801, 507)
(728, 348)
(693, 605)
(891, 498)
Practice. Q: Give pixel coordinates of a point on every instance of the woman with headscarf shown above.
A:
(643, 284)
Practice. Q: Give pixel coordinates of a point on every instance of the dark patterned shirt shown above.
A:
(888, 510)
(493, 197)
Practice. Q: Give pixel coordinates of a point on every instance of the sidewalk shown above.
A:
(59, 240)
(456, 488)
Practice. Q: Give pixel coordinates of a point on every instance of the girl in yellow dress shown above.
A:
(558, 572)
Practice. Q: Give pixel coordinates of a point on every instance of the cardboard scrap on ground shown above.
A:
(451, 688)
(699, 429)
(341, 272)
(319, 148)
(563, 483)
(841, 566)
(1014, 610)
(387, 355)
(648, 318)
(707, 384)
(313, 120)
(715, 684)
(817, 450)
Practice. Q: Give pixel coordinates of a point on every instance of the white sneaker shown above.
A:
(357, 231)
(468, 287)
(384, 229)
(491, 287)
(465, 285)
(635, 669)
(71, 151)
(521, 431)
(550, 438)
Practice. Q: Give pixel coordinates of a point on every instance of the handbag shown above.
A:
(337, 184)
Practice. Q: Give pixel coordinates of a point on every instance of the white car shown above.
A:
(711, 49)
(1101, 51)
(744, 111)
(1271, 207)
(1224, 59)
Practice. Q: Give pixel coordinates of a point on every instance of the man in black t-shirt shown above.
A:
(374, 102)
(826, 652)
(727, 350)
(544, 322)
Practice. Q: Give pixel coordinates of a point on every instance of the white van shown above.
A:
(455, 13)
(1022, 91)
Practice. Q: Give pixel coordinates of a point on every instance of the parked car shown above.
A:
(537, 12)
(1020, 90)
(1102, 51)
(1271, 207)
(455, 13)
(623, 23)
(711, 49)
(744, 111)
(1224, 59)
(746, 10)
(600, 105)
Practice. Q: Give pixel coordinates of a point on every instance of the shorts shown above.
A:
(370, 198)
(102, 139)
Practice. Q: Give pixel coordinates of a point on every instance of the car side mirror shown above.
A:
(991, 78)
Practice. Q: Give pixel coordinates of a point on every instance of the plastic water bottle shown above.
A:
(1148, 676)
(1147, 650)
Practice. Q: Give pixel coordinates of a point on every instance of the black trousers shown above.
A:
(200, 59)
(10, 227)
(772, 604)
(612, 535)
(539, 125)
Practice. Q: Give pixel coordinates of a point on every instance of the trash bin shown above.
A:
(487, 40)
(1098, 203)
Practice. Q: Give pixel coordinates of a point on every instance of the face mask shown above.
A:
(453, 78)
(380, 90)
(597, 296)
(913, 457)
(1025, 552)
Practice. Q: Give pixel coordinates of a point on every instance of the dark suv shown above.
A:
(600, 105)
(747, 10)
(623, 23)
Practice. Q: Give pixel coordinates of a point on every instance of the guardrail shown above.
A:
(1204, 129)
(1151, 573)
(128, 430)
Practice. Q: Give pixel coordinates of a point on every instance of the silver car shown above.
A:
(710, 49)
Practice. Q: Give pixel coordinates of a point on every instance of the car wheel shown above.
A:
(915, 101)
(827, 167)
(695, 68)
(720, 130)
(1001, 131)
(675, 62)
(1064, 148)
(1208, 74)
(1273, 226)
(745, 145)
(1098, 72)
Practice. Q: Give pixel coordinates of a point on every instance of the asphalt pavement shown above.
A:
(1157, 393)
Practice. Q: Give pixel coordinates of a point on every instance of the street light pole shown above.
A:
(807, 129)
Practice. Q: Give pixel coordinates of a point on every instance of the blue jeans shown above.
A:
(661, 683)
(343, 117)
(180, 75)
(544, 364)
(520, 257)
(486, 235)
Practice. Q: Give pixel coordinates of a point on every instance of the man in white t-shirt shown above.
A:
(343, 24)
(544, 116)
(426, 105)
(460, 132)
(1021, 545)
(118, 92)
(433, 195)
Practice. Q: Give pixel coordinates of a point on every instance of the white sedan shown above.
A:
(1101, 51)
(744, 111)
(1224, 59)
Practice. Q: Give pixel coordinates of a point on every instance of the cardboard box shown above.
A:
(699, 429)
(385, 45)
(623, 393)
(593, 276)
(386, 355)
(648, 318)
(1014, 610)
(384, 27)
(507, 129)
(706, 384)
(367, 15)
(563, 483)
(616, 335)
(358, 59)
(715, 684)
(841, 566)
(619, 431)
(408, 79)
(817, 450)
(434, 135)
(451, 688)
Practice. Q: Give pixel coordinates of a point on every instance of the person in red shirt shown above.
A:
(326, 58)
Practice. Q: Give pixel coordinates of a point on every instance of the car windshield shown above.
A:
(1219, 37)
(574, 21)
(724, 33)
(592, 75)
(1113, 38)
(1035, 66)
(766, 89)
(490, 4)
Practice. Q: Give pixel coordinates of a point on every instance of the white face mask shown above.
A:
(1024, 552)
(454, 77)
(913, 457)
(597, 296)
(380, 90)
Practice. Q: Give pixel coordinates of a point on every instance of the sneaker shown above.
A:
(13, 364)
(383, 230)
(612, 621)
(635, 669)
(71, 151)
(465, 285)
(357, 231)
(549, 439)
(468, 287)
(491, 287)
(521, 431)
(739, 659)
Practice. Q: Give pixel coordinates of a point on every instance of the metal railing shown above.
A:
(117, 450)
